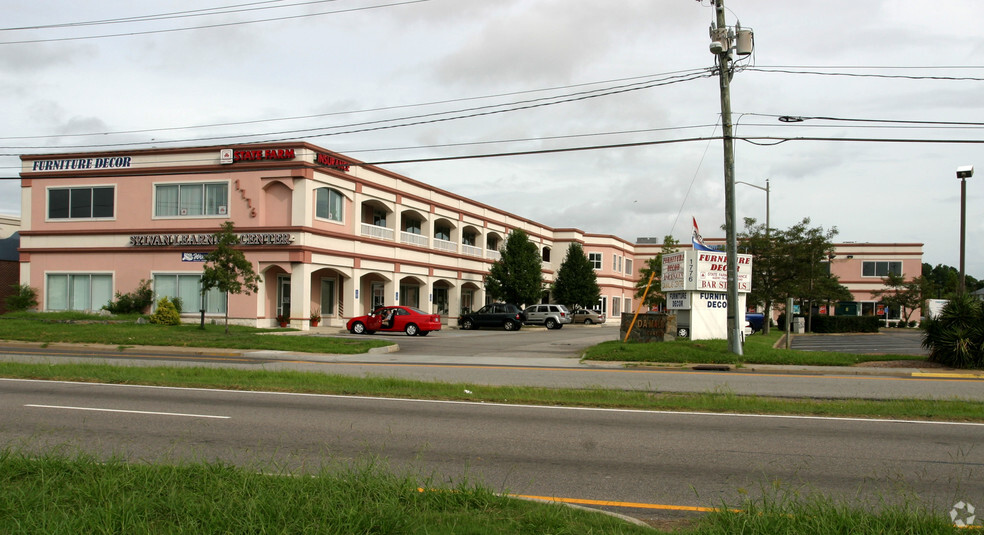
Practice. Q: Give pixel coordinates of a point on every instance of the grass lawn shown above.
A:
(758, 349)
(125, 331)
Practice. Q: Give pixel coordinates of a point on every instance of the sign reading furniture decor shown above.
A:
(246, 238)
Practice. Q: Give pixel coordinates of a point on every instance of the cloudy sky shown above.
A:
(398, 81)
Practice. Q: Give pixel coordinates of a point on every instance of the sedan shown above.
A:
(587, 317)
(413, 321)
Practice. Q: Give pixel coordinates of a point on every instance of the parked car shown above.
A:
(550, 316)
(587, 317)
(413, 321)
(508, 316)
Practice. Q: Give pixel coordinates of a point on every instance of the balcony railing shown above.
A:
(445, 245)
(492, 255)
(471, 250)
(383, 233)
(413, 239)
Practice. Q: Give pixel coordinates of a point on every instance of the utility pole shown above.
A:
(721, 47)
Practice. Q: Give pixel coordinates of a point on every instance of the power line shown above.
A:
(162, 16)
(750, 139)
(210, 26)
(369, 126)
(868, 75)
(352, 112)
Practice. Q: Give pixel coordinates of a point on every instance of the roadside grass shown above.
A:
(318, 383)
(758, 349)
(78, 328)
(822, 515)
(54, 494)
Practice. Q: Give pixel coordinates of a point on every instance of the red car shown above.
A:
(413, 321)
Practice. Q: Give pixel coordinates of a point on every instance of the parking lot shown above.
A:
(528, 342)
(889, 341)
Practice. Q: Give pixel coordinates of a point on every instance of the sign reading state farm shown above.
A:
(703, 271)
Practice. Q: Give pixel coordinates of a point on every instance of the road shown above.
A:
(642, 461)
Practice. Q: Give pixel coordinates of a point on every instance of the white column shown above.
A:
(300, 294)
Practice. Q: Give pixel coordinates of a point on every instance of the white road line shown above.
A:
(515, 405)
(128, 411)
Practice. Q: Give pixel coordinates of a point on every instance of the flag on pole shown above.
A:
(698, 241)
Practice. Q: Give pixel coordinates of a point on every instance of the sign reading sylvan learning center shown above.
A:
(703, 271)
(170, 240)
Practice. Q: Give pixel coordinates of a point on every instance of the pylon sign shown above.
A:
(703, 271)
(696, 287)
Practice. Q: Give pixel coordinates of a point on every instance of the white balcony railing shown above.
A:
(445, 245)
(413, 239)
(383, 233)
(471, 250)
(492, 255)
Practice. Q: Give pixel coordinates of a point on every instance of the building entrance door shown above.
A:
(283, 295)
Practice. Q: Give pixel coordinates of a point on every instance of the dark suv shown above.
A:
(508, 316)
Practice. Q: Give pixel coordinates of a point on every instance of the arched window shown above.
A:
(328, 204)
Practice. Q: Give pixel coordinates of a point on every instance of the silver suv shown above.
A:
(550, 316)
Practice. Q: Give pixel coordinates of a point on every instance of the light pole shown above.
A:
(766, 190)
(768, 309)
(963, 173)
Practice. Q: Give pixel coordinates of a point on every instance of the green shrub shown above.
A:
(135, 302)
(24, 298)
(955, 337)
(166, 313)
(845, 324)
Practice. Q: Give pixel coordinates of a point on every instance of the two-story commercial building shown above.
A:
(325, 232)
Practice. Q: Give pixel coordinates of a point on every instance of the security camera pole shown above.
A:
(719, 34)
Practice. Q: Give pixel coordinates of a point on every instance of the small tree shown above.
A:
(516, 277)
(576, 284)
(906, 295)
(227, 269)
(654, 268)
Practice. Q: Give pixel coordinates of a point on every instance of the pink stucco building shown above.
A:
(325, 232)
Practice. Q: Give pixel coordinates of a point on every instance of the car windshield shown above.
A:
(416, 310)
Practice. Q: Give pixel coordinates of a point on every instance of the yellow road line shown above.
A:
(607, 503)
(948, 375)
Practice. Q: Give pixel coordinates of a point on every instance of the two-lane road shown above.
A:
(630, 457)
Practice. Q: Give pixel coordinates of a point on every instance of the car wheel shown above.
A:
(550, 323)
(358, 328)
(510, 325)
(467, 324)
(588, 321)
(411, 329)
(423, 333)
(683, 332)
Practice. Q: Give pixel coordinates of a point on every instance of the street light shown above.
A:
(766, 190)
(963, 173)
(768, 312)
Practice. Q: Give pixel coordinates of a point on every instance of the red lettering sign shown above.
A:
(268, 154)
(330, 161)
